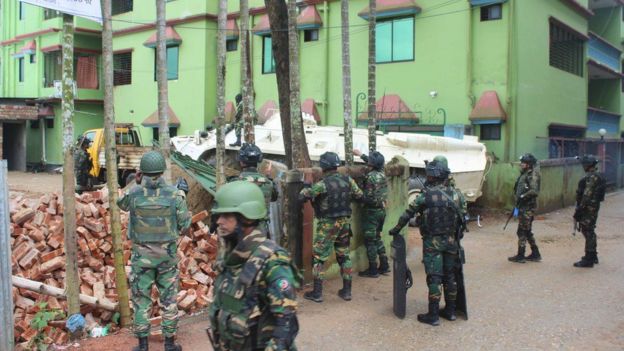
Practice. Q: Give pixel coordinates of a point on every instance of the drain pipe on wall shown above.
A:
(326, 28)
(469, 91)
(511, 106)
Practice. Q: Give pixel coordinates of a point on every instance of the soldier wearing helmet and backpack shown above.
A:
(249, 156)
(526, 191)
(375, 189)
(158, 215)
(331, 198)
(589, 194)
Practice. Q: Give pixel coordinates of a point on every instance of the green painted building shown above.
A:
(540, 76)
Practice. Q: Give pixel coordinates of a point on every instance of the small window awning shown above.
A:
(28, 49)
(152, 120)
(309, 18)
(266, 111)
(309, 107)
(171, 36)
(392, 8)
(488, 109)
(486, 2)
(263, 27)
(392, 107)
(231, 30)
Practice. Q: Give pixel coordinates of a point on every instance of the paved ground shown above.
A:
(534, 306)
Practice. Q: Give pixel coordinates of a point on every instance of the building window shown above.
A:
(172, 62)
(49, 123)
(231, 45)
(394, 41)
(34, 124)
(52, 69)
(20, 69)
(268, 61)
(122, 68)
(32, 58)
(86, 71)
(491, 13)
(566, 49)
(173, 131)
(490, 132)
(49, 14)
(121, 6)
(310, 35)
(21, 11)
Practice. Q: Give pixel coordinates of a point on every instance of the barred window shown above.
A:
(122, 68)
(52, 69)
(121, 6)
(566, 49)
(490, 132)
(231, 45)
(491, 12)
(49, 14)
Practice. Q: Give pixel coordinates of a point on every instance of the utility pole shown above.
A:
(163, 90)
(372, 127)
(72, 281)
(346, 83)
(249, 111)
(121, 282)
(222, 19)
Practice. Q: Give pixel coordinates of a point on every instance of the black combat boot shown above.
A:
(448, 312)
(237, 142)
(535, 255)
(143, 345)
(316, 294)
(170, 344)
(432, 317)
(384, 267)
(586, 261)
(519, 258)
(596, 258)
(371, 272)
(345, 292)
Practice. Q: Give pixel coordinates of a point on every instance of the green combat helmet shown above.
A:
(441, 160)
(436, 170)
(588, 160)
(529, 159)
(152, 162)
(240, 197)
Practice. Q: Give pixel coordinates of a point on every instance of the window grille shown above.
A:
(122, 68)
(121, 6)
(566, 49)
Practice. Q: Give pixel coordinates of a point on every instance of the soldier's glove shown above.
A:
(394, 231)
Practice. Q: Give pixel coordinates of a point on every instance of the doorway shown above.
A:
(14, 145)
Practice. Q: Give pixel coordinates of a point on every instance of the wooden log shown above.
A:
(60, 293)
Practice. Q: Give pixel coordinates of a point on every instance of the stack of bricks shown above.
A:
(38, 254)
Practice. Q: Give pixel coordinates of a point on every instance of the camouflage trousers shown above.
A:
(238, 128)
(440, 256)
(166, 278)
(587, 223)
(330, 232)
(525, 225)
(372, 225)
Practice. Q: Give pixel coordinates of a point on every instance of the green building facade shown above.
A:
(540, 76)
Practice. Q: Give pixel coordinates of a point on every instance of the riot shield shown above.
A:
(401, 276)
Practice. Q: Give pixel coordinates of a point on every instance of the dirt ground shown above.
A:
(534, 306)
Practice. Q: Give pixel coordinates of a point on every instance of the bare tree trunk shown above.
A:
(278, 17)
(222, 19)
(72, 281)
(372, 127)
(301, 159)
(249, 111)
(346, 83)
(163, 89)
(121, 281)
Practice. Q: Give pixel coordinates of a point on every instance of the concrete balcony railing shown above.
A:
(604, 53)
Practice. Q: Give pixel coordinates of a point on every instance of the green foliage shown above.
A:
(40, 322)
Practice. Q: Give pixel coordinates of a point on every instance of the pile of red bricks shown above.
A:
(38, 254)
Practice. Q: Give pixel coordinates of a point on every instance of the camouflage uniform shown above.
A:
(526, 191)
(375, 189)
(158, 213)
(266, 184)
(333, 225)
(590, 193)
(254, 290)
(82, 167)
(238, 120)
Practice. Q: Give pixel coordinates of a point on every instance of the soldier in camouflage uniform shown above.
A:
(82, 164)
(375, 189)
(331, 199)
(238, 120)
(526, 190)
(441, 209)
(590, 192)
(249, 156)
(254, 305)
(158, 215)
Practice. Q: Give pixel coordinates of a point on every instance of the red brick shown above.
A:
(53, 265)
(29, 259)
